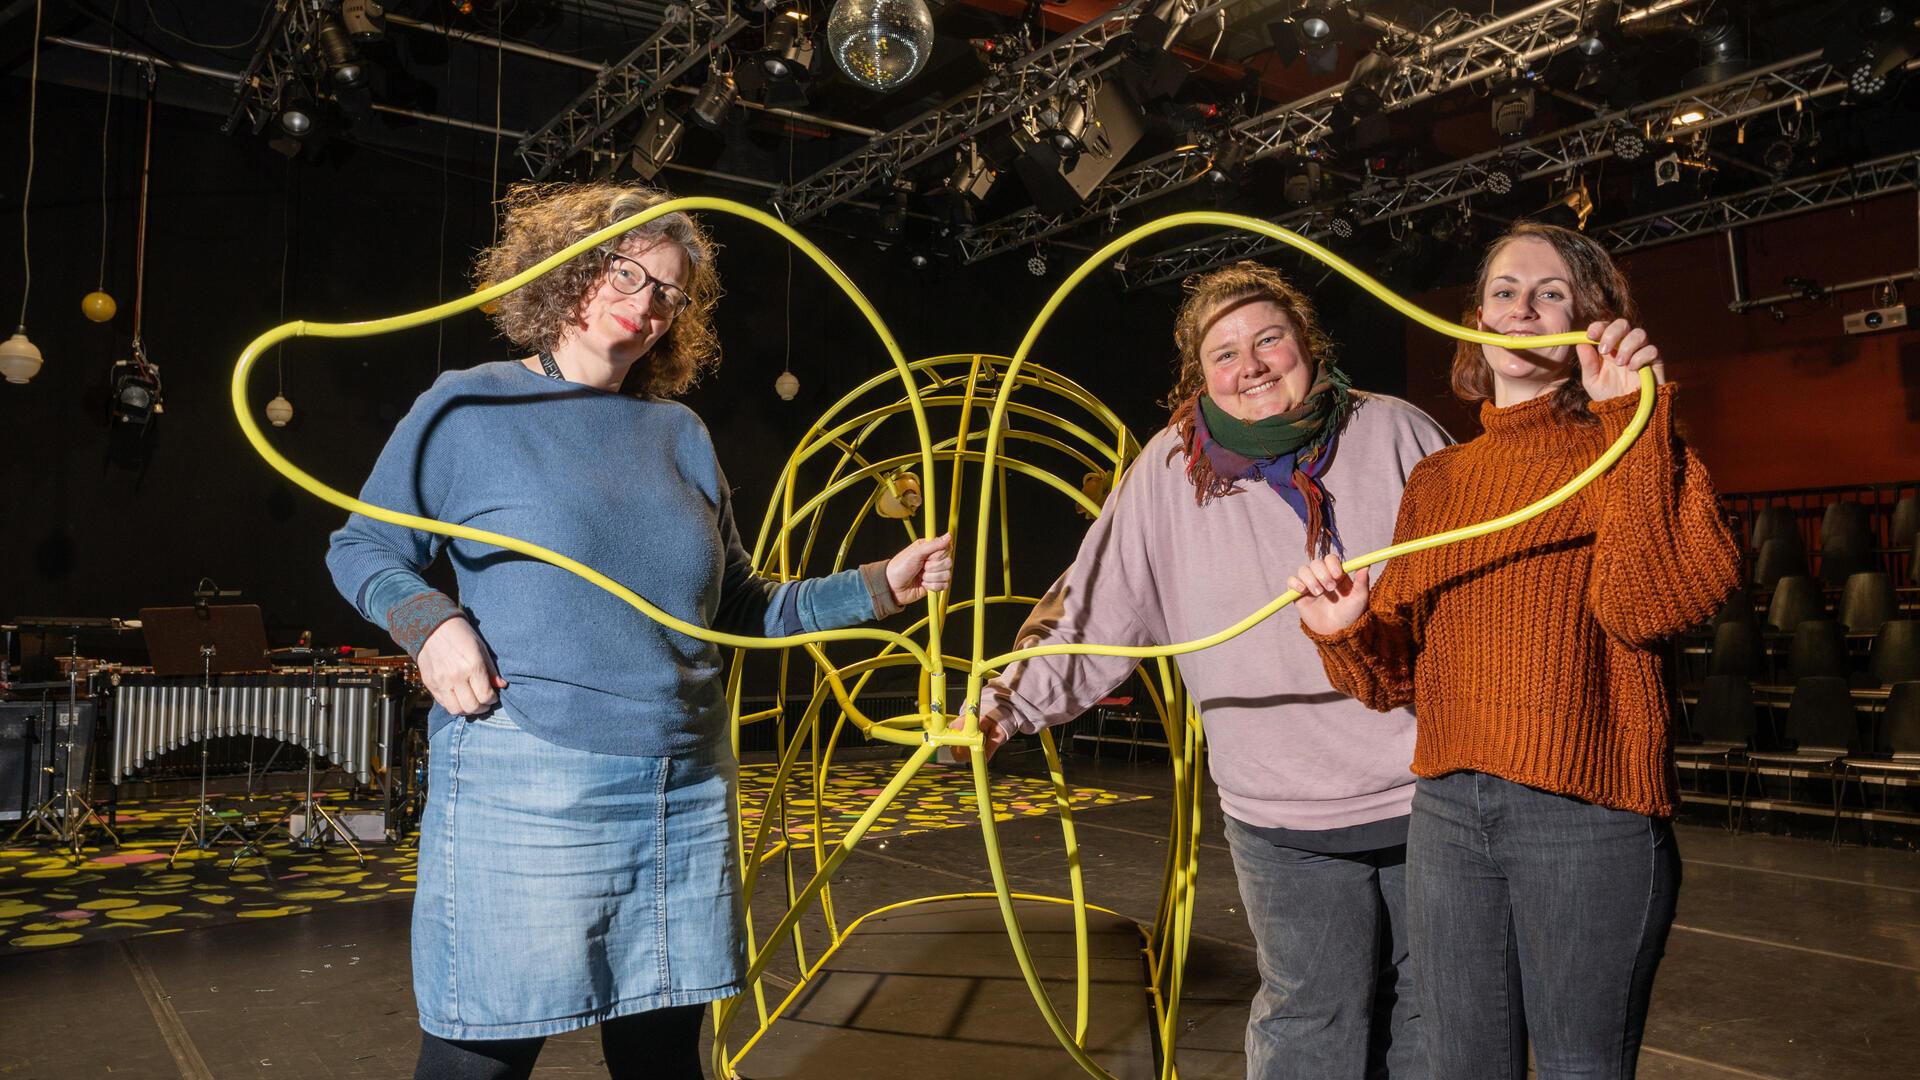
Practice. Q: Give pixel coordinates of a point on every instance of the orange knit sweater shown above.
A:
(1530, 654)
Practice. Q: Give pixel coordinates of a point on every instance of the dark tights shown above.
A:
(663, 1044)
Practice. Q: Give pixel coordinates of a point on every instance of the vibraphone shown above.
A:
(356, 715)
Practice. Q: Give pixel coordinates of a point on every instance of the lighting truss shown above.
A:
(1802, 79)
(1785, 198)
(687, 35)
(287, 47)
(1071, 58)
(1425, 66)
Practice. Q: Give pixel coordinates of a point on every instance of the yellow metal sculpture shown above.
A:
(860, 452)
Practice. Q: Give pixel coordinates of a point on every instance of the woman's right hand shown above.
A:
(457, 670)
(1330, 598)
(991, 736)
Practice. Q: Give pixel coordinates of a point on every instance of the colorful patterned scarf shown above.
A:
(1289, 452)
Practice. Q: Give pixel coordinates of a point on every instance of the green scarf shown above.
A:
(1307, 427)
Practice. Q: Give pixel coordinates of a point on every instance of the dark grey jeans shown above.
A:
(1534, 916)
(1336, 998)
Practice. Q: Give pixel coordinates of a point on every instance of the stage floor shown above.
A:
(1789, 960)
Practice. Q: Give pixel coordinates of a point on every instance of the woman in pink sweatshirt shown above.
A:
(1268, 454)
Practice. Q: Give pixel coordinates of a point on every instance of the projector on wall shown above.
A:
(1874, 319)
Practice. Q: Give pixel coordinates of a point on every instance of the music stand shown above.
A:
(226, 638)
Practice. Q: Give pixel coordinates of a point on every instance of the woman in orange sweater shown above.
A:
(1541, 867)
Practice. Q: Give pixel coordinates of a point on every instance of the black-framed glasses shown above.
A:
(631, 278)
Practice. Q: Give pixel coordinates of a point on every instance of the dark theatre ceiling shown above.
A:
(1391, 130)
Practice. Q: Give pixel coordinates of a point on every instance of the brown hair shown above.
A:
(1600, 293)
(1208, 297)
(540, 219)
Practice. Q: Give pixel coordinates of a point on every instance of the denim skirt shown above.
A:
(559, 888)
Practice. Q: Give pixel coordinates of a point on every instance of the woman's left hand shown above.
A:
(921, 567)
(1611, 367)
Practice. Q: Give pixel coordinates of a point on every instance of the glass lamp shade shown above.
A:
(880, 44)
(899, 496)
(279, 410)
(786, 386)
(19, 358)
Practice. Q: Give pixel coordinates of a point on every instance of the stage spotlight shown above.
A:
(893, 220)
(1343, 223)
(1037, 262)
(658, 141)
(1062, 123)
(715, 101)
(343, 64)
(1150, 73)
(136, 391)
(1224, 170)
(296, 108)
(1724, 53)
(1365, 93)
(365, 20)
(1512, 108)
(786, 61)
(1500, 178)
(1067, 149)
(1598, 34)
(1629, 144)
(965, 187)
(1571, 209)
(1778, 156)
(1871, 45)
(1315, 21)
(1666, 170)
(1311, 30)
(1303, 182)
(788, 51)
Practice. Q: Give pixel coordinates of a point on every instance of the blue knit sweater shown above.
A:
(626, 485)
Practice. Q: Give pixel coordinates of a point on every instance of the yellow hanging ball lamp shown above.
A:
(98, 306)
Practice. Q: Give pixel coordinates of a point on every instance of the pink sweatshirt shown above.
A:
(1286, 750)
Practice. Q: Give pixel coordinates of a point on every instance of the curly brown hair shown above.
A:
(1600, 293)
(540, 219)
(1208, 297)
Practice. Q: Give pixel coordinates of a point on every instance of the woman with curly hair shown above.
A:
(1269, 453)
(577, 852)
(1541, 866)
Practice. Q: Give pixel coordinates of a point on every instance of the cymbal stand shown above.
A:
(71, 826)
(197, 827)
(315, 819)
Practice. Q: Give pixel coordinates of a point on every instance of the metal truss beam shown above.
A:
(1425, 66)
(1799, 195)
(1800, 79)
(687, 35)
(1073, 57)
(286, 47)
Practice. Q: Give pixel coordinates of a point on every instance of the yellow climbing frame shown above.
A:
(868, 464)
